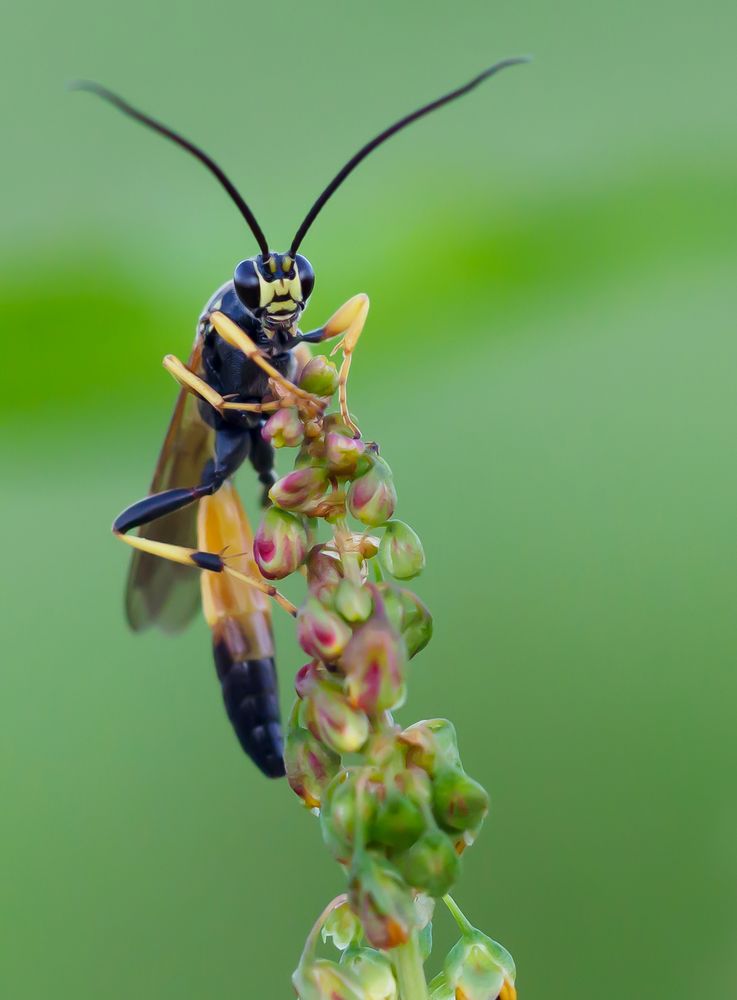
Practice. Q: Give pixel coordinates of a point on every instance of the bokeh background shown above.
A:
(549, 365)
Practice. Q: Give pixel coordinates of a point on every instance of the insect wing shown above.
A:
(158, 591)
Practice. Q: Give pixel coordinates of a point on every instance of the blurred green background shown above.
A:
(555, 393)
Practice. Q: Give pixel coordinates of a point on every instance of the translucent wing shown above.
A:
(160, 592)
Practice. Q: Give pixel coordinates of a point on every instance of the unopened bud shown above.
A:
(353, 601)
(432, 745)
(374, 662)
(477, 968)
(400, 552)
(319, 376)
(373, 971)
(372, 497)
(301, 489)
(459, 802)
(430, 864)
(284, 429)
(280, 545)
(320, 979)
(332, 720)
(382, 901)
(324, 573)
(416, 622)
(343, 453)
(320, 632)
(310, 765)
(399, 821)
(346, 810)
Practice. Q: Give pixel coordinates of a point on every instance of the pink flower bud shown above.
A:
(372, 497)
(324, 573)
(432, 745)
(319, 376)
(400, 552)
(300, 489)
(320, 632)
(332, 720)
(310, 765)
(284, 428)
(343, 453)
(280, 545)
(373, 662)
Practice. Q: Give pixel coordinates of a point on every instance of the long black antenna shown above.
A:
(108, 95)
(386, 134)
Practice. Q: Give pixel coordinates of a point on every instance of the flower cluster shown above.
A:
(396, 808)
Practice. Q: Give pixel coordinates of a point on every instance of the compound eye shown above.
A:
(306, 276)
(247, 285)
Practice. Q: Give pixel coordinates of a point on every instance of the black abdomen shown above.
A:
(252, 702)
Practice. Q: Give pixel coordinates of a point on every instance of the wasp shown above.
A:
(247, 355)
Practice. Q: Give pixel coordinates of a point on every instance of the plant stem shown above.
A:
(409, 969)
(460, 918)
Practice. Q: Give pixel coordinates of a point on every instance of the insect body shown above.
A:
(247, 352)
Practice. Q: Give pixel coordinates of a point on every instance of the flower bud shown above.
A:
(324, 573)
(373, 662)
(284, 428)
(342, 926)
(280, 545)
(353, 601)
(400, 552)
(432, 745)
(319, 979)
(430, 864)
(459, 802)
(343, 454)
(382, 901)
(372, 497)
(416, 622)
(373, 971)
(332, 720)
(477, 968)
(319, 376)
(310, 765)
(300, 489)
(399, 821)
(320, 632)
(440, 988)
(344, 811)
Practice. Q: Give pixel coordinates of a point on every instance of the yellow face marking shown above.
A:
(280, 286)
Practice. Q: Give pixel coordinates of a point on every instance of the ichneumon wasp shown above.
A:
(247, 354)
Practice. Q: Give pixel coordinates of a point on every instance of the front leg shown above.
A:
(348, 323)
(203, 390)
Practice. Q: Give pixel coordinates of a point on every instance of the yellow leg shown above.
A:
(349, 321)
(198, 387)
(203, 560)
(233, 335)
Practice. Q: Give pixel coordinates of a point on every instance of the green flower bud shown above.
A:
(284, 429)
(373, 971)
(417, 622)
(440, 988)
(332, 720)
(431, 864)
(400, 552)
(324, 573)
(343, 927)
(319, 376)
(301, 489)
(353, 602)
(399, 821)
(374, 662)
(382, 901)
(310, 765)
(343, 454)
(432, 745)
(340, 816)
(320, 632)
(459, 802)
(424, 906)
(280, 545)
(319, 979)
(477, 968)
(372, 497)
